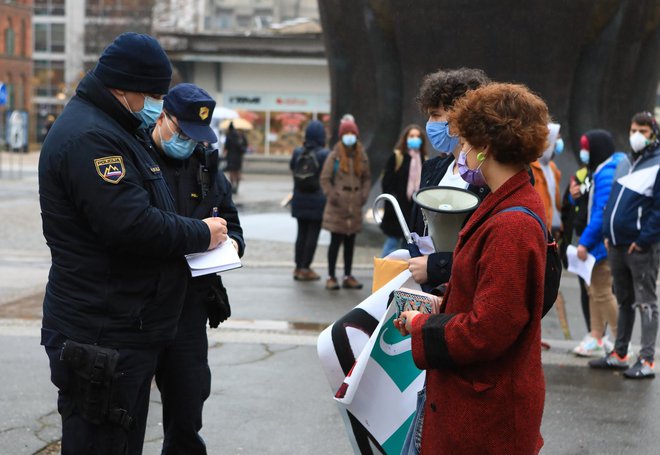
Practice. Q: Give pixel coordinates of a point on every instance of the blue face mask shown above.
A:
(349, 140)
(559, 146)
(176, 147)
(149, 113)
(414, 143)
(441, 140)
(584, 156)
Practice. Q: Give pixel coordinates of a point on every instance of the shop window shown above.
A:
(287, 131)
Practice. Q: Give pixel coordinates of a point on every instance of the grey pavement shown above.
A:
(269, 395)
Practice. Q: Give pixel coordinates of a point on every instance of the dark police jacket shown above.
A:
(118, 275)
(197, 187)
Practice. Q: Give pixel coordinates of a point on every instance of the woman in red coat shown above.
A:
(482, 353)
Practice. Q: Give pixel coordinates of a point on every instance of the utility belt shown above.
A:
(92, 375)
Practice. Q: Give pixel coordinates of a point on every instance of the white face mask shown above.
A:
(638, 141)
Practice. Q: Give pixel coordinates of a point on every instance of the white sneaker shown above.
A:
(590, 347)
(609, 346)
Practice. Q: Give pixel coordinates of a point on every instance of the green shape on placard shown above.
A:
(395, 442)
(400, 367)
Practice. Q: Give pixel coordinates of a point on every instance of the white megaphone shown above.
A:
(444, 210)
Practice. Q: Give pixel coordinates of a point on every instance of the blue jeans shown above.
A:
(392, 244)
(413, 442)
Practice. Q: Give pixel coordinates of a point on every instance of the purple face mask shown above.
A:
(471, 176)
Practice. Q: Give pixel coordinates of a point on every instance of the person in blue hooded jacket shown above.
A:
(597, 151)
(308, 200)
(632, 233)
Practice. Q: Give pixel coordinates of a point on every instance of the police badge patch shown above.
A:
(111, 169)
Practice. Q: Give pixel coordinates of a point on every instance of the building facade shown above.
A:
(277, 82)
(68, 37)
(15, 62)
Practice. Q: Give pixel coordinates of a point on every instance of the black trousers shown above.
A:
(183, 377)
(333, 251)
(308, 237)
(130, 391)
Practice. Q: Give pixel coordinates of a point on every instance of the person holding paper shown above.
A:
(116, 284)
(191, 171)
(597, 150)
(482, 352)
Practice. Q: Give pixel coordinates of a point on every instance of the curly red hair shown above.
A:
(509, 118)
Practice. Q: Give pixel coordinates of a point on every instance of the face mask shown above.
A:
(441, 140)
(149, 113)
(471, 176)
(638, 141)
(584, 156)
(349, 140)
(414, 143)
(559, 146)
(177, 148)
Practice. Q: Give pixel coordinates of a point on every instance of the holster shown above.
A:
(93, 369)
(217, 303)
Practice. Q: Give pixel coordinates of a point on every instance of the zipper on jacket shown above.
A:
(639, 218)
(616, 205)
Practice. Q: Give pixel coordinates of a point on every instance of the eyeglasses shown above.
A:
(179, 131)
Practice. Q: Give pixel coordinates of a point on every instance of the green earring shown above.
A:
(481, 156)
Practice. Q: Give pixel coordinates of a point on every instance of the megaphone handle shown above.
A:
(413, 249)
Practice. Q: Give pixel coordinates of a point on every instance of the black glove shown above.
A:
(217, 304)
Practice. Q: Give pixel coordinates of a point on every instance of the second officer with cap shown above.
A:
(191, 171)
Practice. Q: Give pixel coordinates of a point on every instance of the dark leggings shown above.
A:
(584, 300)
(308, 236)
(333, 251)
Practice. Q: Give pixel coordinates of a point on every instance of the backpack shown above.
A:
(306, 172)
(552, 262)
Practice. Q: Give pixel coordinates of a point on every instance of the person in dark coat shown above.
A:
(118, 276)
(482, 352)
(308, 201)
(235, 147)
(401, 178)
(437, 95)
(191, 171)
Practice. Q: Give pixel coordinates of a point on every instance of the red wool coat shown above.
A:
(485, 384)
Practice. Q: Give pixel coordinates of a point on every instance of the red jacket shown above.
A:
(485, 384)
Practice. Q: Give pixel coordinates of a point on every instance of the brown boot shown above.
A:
(332, 284)
(351, 283)
(298, 274)
(311, 275)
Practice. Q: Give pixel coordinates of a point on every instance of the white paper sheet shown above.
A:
(576, 265)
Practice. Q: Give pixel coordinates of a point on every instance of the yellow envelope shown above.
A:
(385, 270)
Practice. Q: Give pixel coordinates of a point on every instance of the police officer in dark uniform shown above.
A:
(191, 170)
(118, 277)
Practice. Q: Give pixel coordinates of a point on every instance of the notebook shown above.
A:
(220, 259)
